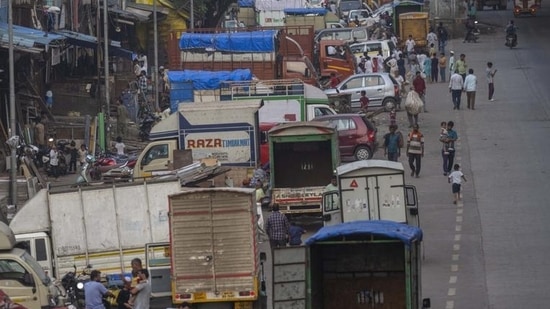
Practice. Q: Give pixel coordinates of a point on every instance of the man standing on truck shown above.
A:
(278, 228)
(94, 291)
(333, 185)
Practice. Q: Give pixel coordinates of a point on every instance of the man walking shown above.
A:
(442, 37)
(415, 150)
(419, 85)
(410, 44)
(442, 67)
(452, 67)
(393, 141)
(142, 291)
(470, 86)
(448, 154)
(490, 79)
(461, 66)
(456, 85)
(278, 228)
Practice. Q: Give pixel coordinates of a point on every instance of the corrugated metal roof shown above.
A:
(89, 41)
(27, 37)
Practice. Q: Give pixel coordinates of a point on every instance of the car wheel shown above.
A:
(389, 103)
(363, 153)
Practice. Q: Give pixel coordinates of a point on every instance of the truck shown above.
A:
(318, 18)
(352, 265)
(417, 25)
(105, 226)
(371, 190)
(226, 132)
(22, 278)
(496, 4)
(214, 249)
(302, 157)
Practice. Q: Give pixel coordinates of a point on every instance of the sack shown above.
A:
(413, 103)
(423, 75)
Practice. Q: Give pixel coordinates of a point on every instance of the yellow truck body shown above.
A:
(415, 24)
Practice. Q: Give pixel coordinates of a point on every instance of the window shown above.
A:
(353, 83)
(156, 152)
(330, 202)
(41, 252)
(373, 81)
(321, 111)
(344, 124)
(12, 270)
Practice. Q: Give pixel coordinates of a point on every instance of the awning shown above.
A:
(89, 41)
(29, 39)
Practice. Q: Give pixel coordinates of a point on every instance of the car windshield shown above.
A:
(35, 267)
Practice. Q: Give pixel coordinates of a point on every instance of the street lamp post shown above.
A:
(155, 74)
(12, 131)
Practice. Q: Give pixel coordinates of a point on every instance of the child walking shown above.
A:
(456, 178)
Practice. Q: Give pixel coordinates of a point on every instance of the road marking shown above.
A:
(459, 211)
(458, 228)
(454, 267)
(457, 237)
(458, 218)
(452, 279)
(456, 247)
(450, 304)
(456, 257)
(451, 292)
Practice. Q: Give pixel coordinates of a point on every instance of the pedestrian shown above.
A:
(410, 44)
(452, 64)
(393, 142)
(119, 146)
(142, 291)
(442, 136)
(333, 185)
(427, 68)
(361, 66)
(334, 81)
(74, 156)
(142, 82)
(442, 66)
(380, 61)
(456, 86)
(277, 228)
(121, 118)
(421, 57)
(49, 97)
(39, 133)
(415, 68)
(462, 66)
(415, 150)
(295, 234)
(137, 68)
(364, 101)
(369, 66)
(401, 84)
(470, 86)
(449, 155)
(82, 153)
(54, 162)
(442, 37)
(490, 80)
(94, 291)
(123, 296)
(435, 68)
(419, 85)
(431, 37)
(401, 65)
(456, 178)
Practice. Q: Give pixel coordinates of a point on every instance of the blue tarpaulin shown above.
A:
(306, 11)
(406, 233)
(253, 41)
(208, 80)
(246, 3)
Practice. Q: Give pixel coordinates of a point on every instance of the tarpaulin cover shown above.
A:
(245, 3)
(254, 41)
(208, 80)
(406, 233)
(306, 11)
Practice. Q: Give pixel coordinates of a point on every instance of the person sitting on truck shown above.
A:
(333, 185)
(295, 234)
(94, 291)
(277, 228)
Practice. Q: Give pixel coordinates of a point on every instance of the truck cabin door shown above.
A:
(156, 158)
(411, 204)
(289, 277)
(331, 208)
(19, 284)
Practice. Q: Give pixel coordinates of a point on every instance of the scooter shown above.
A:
(510, 41)
(473, 34)
(82, 179)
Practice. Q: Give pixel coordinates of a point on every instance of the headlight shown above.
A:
(80, 285)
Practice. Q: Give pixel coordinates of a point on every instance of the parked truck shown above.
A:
(302, 156)
(352, 265)
(103, 226)
(214, 249)
(225, 131)
(319, 18)
(417, 25)
(22, 278)
(371, 190)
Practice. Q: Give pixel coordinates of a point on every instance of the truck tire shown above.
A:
(363, 153)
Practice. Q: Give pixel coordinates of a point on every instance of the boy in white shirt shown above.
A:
(456, 178)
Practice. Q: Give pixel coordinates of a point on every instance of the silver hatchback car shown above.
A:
(381, 89)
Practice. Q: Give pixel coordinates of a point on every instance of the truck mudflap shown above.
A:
(299, 200)
(289, 278)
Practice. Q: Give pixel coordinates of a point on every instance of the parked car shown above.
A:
(381, 89)
(372, 47)
(356, 135)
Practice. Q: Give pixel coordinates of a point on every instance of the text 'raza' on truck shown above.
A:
(353, 265)
(303, 156)
(226, 131)
(371, 190)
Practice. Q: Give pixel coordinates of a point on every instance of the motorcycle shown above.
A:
(511, 41)
(73, 284)
(108, 162)
(146, 125)
(473, 33)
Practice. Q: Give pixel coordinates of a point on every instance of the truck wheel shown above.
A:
(363, 153)
(389, 103)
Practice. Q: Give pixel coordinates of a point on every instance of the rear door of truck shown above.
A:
(289, 278)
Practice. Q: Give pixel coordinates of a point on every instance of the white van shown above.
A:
(372, 48)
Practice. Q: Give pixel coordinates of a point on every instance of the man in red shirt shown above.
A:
(334, 81)
(364, 101)
(420, 87)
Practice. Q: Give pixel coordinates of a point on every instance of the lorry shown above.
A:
(105, 226)
(226, 132)
(371, 190)
(352, 265)
(318, 18)
(302, 158)
(496, 4)
(214, 249)
(417, 25)
(22, 278)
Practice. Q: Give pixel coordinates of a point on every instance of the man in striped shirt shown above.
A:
(415, 150)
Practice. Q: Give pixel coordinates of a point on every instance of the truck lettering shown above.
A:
(217, 143)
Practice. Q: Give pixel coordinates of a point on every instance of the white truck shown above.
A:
(103, 226)
(371, 190)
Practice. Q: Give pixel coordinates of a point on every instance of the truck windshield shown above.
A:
(35, 267)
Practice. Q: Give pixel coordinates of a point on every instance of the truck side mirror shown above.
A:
(426, 303)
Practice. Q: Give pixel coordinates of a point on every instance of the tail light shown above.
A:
(246, 293)
(371, 134)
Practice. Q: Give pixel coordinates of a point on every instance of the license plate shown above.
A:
(199, 296)
(243, 305)
(228, 295)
